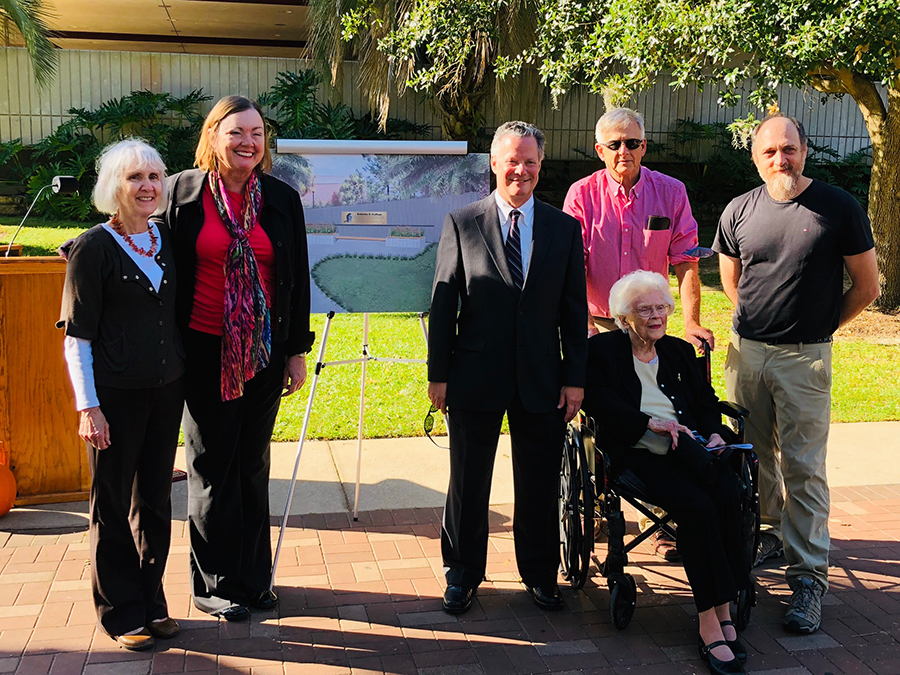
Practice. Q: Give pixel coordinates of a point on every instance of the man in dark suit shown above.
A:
(513, 268)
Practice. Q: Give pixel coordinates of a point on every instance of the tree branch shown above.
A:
(861, 88)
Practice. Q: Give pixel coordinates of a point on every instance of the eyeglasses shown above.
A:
(630, 143)
(428, 425)
(646, 311)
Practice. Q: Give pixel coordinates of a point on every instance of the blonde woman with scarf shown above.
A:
(243, 310)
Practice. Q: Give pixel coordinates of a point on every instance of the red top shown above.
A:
(212, 245)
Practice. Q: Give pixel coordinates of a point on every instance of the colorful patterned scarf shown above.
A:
(247, 328)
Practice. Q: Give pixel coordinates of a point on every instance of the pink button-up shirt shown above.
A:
(614, 228)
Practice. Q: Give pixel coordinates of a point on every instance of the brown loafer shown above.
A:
(164, 629)
(137, 642)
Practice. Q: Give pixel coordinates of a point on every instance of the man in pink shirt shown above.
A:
(633, 218)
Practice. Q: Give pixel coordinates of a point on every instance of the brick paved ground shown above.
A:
(364, 598)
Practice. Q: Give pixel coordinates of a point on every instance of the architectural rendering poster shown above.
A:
(373, 223)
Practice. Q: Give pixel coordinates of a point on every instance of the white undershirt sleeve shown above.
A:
(80, 361)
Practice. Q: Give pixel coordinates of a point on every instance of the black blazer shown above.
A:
(613, 392)
(503, 339)
(282, 220)
(108, 300)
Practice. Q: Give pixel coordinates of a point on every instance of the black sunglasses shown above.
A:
(428, 425)
(630, 143)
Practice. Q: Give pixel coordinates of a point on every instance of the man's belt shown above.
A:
(817, 341)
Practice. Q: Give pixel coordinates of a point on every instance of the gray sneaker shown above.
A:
(769, 547)
(804, 615)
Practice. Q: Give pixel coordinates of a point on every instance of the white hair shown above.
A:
(626, 289)
(116, 162)
(617, 119)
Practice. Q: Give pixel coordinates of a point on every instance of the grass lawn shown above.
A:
(40, 236)
(377, 282)
(866, 376)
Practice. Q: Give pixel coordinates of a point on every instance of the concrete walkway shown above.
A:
(403, 473)
(364, 597)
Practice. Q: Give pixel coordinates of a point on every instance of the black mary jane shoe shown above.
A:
(546, 597)
(458, 599)
(718, 666)
(737, 647)
(265, 600)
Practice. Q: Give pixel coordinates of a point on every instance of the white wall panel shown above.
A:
(88, 78)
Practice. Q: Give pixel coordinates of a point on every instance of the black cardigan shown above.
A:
(282, 220)
(613, 392)
(108, 300)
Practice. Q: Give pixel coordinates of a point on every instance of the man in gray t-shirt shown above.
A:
(783, 248)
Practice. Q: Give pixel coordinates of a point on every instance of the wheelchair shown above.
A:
(588, 489)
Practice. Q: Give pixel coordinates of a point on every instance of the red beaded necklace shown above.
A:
(119, 229)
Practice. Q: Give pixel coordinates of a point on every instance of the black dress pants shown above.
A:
(708, 519)
(131, 504)
(227, 452)
(537, 442)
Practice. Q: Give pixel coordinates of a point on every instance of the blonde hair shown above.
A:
(205, 155)
(119, 160)
(626, 289)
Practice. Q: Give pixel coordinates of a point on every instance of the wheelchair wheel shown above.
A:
(576, 511)
(746, 601)
(622, 599)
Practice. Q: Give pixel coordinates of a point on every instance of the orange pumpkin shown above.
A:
(7, 489)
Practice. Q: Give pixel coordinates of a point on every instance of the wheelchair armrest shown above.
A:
(733, 410)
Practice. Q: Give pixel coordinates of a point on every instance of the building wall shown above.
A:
(88, 78)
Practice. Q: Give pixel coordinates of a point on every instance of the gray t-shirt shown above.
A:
(792, 260)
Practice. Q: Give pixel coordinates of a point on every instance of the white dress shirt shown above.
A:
(526, 227)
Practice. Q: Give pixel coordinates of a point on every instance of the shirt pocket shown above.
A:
(656, 242)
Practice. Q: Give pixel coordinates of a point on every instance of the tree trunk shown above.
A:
(884, 203)
(461, 116)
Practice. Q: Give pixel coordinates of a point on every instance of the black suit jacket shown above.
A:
(502, 339)
(613, 392)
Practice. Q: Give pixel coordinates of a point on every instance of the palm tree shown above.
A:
(455, 64)
(30, 18)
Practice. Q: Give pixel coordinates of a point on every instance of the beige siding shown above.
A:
(88, 78)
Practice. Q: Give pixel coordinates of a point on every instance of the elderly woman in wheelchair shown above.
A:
(660, 420)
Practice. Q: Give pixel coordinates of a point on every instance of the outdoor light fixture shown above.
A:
(66, 185)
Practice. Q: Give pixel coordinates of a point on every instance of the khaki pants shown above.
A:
(604, 324)
(787, 389)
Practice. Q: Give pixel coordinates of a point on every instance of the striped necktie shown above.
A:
(514, 250)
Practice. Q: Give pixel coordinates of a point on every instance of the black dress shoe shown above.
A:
(458, 599)
(717, 666)
(268, 599)
(233, 613)
(546, 597)
(736, 646)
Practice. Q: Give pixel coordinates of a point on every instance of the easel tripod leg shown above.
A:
(309, 404)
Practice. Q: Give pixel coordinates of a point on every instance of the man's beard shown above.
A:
(782, 185)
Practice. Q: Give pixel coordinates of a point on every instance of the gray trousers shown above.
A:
(787, 389)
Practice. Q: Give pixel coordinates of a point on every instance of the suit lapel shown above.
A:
(488, 222)
(540, 243)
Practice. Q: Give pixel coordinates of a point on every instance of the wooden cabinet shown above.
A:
(38, 422)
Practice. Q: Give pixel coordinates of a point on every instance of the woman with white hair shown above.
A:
(647, 394)
(125, 361)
